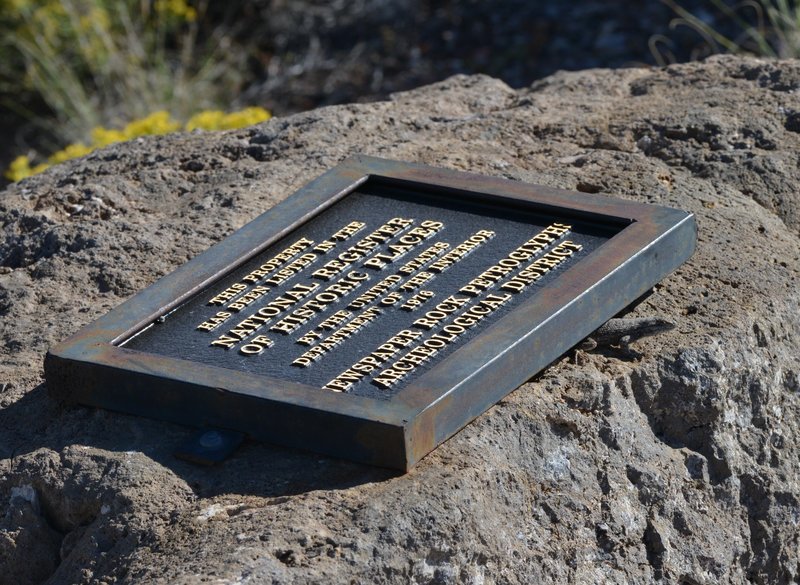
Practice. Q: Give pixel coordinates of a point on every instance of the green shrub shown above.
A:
(102, 63)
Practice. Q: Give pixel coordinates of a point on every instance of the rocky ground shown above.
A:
(680, 466)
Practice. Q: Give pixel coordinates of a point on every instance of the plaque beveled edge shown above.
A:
(90, 368)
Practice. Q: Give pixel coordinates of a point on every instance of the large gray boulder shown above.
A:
(681, 465)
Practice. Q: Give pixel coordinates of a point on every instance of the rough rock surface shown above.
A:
(681, 465)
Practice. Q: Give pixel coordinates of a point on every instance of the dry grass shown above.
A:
(767, 28)
(103, 63)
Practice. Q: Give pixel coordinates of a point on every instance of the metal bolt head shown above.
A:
(210, 446)
(211, 440)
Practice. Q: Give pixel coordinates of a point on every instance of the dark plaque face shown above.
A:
(376, 311)
(373, 291)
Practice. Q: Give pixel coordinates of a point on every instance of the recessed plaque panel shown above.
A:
(376, 311)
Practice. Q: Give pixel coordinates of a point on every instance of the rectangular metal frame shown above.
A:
(90, 368)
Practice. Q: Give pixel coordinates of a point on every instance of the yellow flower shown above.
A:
(105, 136)
(218, 120)
(68, 153)
(208, 120)
(177, 8)
(246, 117)
(155, 123)
(19, 168)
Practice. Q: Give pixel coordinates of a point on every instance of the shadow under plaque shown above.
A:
(375, 312)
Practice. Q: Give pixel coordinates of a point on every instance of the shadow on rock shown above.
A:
(83, 488)
(36, 423)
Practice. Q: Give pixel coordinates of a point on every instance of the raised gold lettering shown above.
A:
(350, 229)
(416, 281)
(309, 338)
(324, 247)
(541, 266)
(390, 300)
(225, 341)
(335, 320)
(424, 257)
(245, 328)
(447, 335)
(248, 298)
(320, 302)
(362, 248)
(463, 249)
(214, 321)
(416, 301)
(374, 292)
(371, 362)
(338, 336)
(226, 295)
(254, 276)
(440, 312)
(291, 269)
(256, 345)
(405, 244)
(489, 277)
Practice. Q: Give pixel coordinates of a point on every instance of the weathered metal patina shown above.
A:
(375, 312)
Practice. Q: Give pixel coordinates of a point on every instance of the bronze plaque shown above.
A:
(376, 311)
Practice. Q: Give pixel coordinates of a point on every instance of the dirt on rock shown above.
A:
(679, 466)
